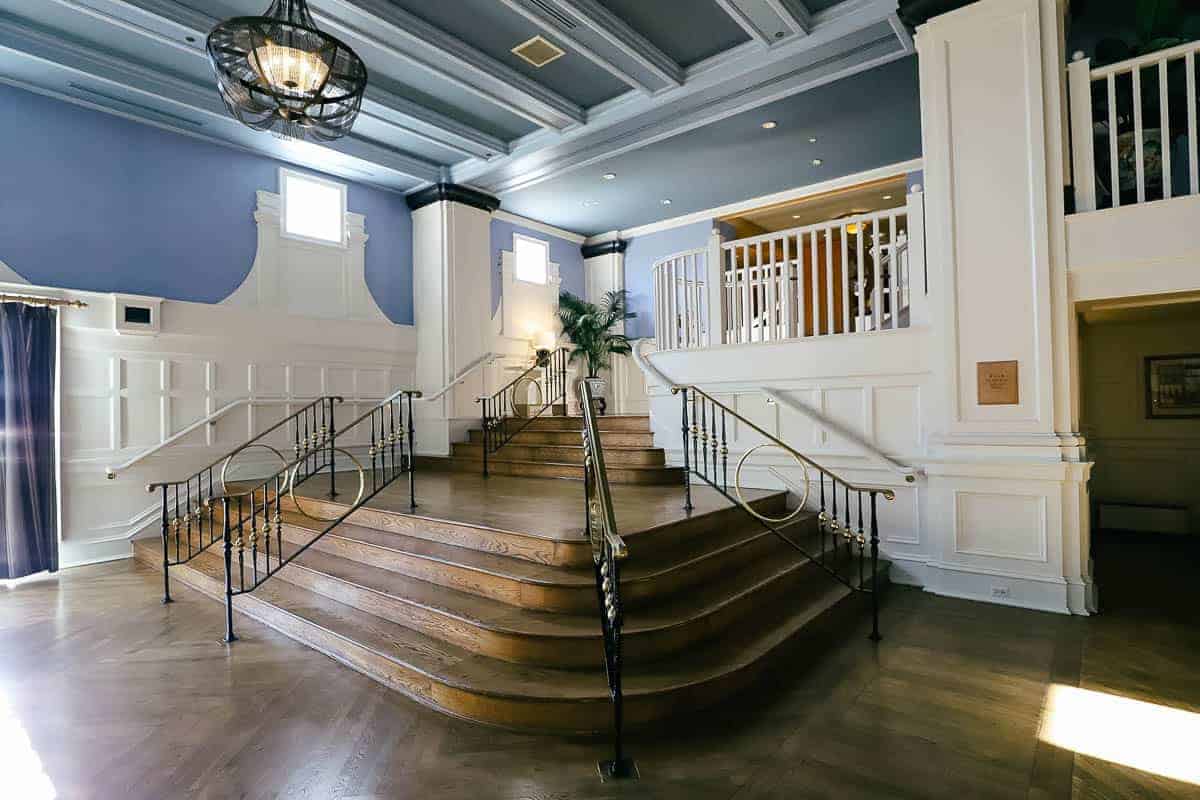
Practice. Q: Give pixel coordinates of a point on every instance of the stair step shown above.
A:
(467, 684)
(566, 454)
(498, 464)
(539, 637)
(572, 437)
(529, 585)
(570, 549)
(614, 422)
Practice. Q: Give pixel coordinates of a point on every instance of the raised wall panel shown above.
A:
(307, 380)
(270, 380)
(1009, 526)
(897, 418)
(846, 408)
(340, 381)
(374, 383)
(795, 428)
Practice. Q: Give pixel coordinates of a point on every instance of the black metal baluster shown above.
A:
(175, 521)
(254, 537)
(392, 413)
(331, 436)
(241, 524)
(860, 515)
(412, 464)
(372, 451)
(703, 457)
(834, 525)
(225, 508)
(487, 438)
(267, 521)
(875, 637)
(695, 433)
(307, 451)
(724, 454)
(187, 504)
(687, 471)
(166, 598)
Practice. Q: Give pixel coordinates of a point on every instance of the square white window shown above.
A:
(532, 258)
(314, 209)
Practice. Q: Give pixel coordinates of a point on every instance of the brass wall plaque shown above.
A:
(997, 383)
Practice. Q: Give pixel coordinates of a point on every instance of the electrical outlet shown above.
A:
(999, 591)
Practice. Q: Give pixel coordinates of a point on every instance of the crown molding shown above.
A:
(540, 227)
(750, 204)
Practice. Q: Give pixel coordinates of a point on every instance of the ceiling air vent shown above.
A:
(538, 52)
(551, 11)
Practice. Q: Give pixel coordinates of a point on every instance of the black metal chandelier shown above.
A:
(278, 72)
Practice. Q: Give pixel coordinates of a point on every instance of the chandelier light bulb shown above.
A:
(289, 70)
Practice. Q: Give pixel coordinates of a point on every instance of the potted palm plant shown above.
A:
(590, 328)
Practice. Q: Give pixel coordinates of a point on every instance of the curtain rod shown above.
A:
(40, 301)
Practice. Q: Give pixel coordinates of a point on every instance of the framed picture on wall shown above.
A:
(1173, 386)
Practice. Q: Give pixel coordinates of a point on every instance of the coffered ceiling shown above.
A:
(447, 99)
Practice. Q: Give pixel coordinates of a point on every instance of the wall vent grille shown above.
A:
(538, 51)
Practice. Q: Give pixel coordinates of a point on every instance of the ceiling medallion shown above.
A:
(278, 72)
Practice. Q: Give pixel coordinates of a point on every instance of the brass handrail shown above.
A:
(594, 451)
(888, 494)
(543, 358)
(150, 487)
(391, 398)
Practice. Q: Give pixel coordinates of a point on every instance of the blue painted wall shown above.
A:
(93, 201)
(640, 256)
(565, 253)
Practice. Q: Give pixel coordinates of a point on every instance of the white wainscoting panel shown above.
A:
(122, 394)
(1000, 525)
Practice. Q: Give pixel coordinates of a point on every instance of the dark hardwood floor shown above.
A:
(121, 697)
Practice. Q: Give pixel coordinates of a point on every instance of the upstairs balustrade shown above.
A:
(1133, 129)
(850, 275)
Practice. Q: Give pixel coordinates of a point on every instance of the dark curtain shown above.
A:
(28, 514)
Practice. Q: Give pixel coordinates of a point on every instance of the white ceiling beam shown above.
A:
(743, 20)
(634, 53)
(412, 39)
(149, 18)
(794, 13)
(180, 93)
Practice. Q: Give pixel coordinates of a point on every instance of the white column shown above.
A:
(452, 310)
(1008, 498)
(605, 272)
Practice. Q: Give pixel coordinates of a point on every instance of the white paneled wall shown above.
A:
(124, 393)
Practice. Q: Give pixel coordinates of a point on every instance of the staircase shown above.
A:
(498, 624)
(552, 447)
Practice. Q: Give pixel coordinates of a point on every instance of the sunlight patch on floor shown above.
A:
(1146, 736)
(21, 770)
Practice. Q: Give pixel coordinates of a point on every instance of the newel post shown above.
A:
(915, 264)
(714, 315)
(1083, 152)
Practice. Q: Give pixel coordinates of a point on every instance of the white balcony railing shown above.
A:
(1133, 128)
(681, 300)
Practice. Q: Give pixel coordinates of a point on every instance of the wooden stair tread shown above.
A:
(711, 545)
(480, 675)
(494, 616)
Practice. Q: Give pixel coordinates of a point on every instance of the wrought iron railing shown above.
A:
(188, 510)
(504, 415)
(856, 522)
(608, 551)
(248, 518)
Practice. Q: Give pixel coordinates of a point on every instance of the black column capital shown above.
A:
(454, 193)
(604, 248)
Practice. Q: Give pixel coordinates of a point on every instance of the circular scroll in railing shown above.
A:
(283, 464)
(737, 485)
(520, 390)
(362, 486)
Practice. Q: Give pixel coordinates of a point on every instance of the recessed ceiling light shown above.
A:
(666, 201)
(816, 162)
(887, 197)
(795, 216)
(610, 176)
(590, 203)
(770, 125)
(812, 140)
